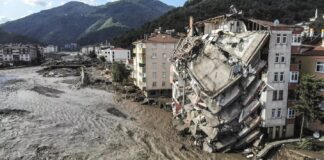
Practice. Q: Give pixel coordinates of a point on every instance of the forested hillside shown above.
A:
(287, 11)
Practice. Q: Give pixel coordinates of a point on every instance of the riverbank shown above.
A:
(49, 118)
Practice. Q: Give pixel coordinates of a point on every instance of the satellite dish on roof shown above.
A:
(276, 22)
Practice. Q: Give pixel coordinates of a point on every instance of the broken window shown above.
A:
(279, 113)
(278, 38)
(273, 113)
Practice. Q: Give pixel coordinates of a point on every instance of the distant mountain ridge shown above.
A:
(75, 20)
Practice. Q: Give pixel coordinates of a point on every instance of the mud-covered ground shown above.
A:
(48, 118)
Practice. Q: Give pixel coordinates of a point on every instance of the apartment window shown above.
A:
(154, 84)
(282, 59)
(294, 76)
(154, 75)
(291, 113)
(277, 95)
(164, 74)
(280, 98)
(154, 65)
(281, 77)
(163, 84)
(296, 39)
(279, 58)
(320, 67)
(284, 38)
(275, 78)
(273, 113)
(278, 77)
(279, 113)
(164, 55)
(154, 55)
(164, 65)
(278, 38)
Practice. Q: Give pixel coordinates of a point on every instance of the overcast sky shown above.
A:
(15, 9)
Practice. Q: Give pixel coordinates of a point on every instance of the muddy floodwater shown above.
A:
(48, 118)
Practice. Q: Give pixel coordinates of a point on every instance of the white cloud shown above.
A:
(4, 2)
(43, 3)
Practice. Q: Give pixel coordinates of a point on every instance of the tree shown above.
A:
(92, 55)
(309, 99)
(119, 72)
(102, 59)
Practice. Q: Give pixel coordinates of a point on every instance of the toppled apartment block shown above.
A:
(225, 82)
(217, 83)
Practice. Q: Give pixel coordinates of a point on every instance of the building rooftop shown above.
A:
(120, 49)
(159, 38)
(317, 51)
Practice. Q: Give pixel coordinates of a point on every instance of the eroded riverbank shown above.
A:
(45, 118)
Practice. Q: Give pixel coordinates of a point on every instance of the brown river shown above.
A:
(50, 119)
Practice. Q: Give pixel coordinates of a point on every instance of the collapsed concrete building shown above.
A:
(230, 82)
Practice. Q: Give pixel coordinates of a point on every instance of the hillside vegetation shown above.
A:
(6, 37)
(287, 11)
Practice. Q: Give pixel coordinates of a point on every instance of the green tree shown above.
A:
(102, 59)
(119, 72)
(92, 55)
(309, 99)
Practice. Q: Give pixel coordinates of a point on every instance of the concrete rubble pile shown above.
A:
(217, 86)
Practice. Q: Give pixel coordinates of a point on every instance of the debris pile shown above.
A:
(217, 84)
(59, 72)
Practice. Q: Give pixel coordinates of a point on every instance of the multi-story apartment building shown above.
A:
(248, 60)
(50, 49)
(18, 53)
(277, 116)
(151, 66)
(112, 54)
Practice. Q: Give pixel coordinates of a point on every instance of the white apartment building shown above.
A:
(151, 66)
(51, 49)
(18, 53)
(117, 55)
(284, 40)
